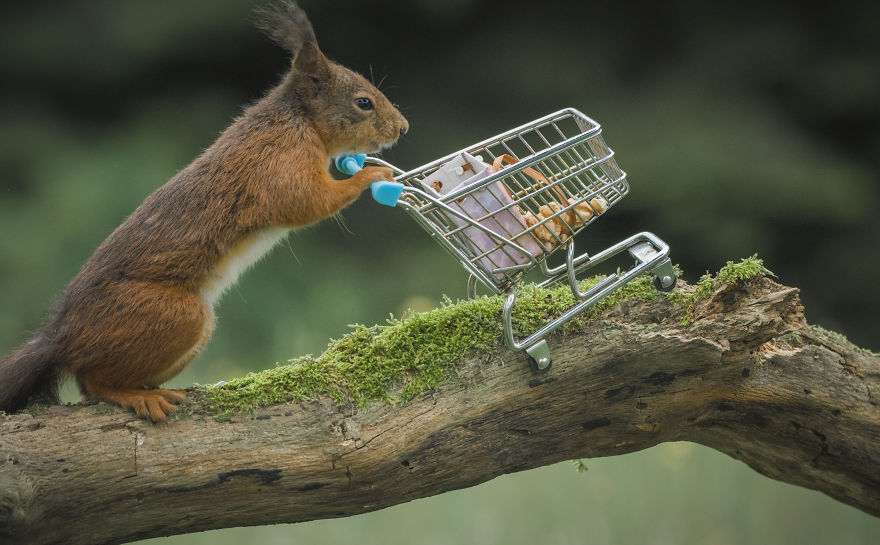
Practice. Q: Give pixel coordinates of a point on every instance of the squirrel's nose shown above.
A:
(404, 127)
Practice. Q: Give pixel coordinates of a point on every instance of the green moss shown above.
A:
(731, 273)
(36, 409)
(707, 285)
(837, 338)
(103, 408)
(745, 269)
(790, 340)
(408, 356)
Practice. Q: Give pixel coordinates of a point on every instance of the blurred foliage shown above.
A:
(742, 129)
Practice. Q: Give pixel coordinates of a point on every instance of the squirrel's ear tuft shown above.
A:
(310, 61)
(286, 24)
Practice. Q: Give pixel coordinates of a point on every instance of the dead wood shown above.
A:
(747, 377)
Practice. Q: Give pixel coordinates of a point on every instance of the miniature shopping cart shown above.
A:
(527, 193)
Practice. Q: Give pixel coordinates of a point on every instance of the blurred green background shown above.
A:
(742, 129)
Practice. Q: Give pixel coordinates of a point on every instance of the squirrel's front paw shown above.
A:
(371, 174)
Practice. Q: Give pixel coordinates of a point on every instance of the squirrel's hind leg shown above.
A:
(131, 347)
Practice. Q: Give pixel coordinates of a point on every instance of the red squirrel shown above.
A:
(141, 307)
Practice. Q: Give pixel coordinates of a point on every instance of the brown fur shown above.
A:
(137, 312)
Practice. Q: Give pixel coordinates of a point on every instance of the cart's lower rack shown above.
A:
(651, 255)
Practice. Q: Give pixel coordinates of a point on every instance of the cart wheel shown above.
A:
(533, 365)
(539, 357)
(659, 285)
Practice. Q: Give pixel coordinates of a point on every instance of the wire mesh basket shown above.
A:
(526, 194)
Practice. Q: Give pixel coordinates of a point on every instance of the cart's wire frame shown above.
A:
(562, 179)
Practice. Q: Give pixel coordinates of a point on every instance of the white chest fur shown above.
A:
(238, 259)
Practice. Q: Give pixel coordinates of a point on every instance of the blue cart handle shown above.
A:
(387, 193)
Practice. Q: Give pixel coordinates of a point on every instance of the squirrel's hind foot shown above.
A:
(154, 405)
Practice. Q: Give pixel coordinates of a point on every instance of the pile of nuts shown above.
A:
(557, 221)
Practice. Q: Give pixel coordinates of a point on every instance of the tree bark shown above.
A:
(747, 377)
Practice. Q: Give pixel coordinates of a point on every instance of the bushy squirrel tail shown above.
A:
(29, 373)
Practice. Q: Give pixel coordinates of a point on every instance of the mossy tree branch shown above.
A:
(746, 375)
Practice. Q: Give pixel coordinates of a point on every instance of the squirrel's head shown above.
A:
(349, 113)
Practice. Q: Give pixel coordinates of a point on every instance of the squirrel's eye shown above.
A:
(364, 103)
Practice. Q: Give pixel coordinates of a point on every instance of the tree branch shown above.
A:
(747, 376)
